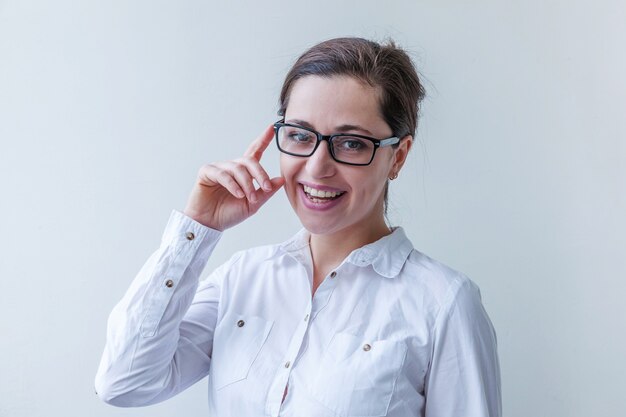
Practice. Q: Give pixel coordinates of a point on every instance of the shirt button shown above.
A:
(287, 364)
(366, 347)
(169, 283)
(240, 323)
(190, 236)
(333, 274)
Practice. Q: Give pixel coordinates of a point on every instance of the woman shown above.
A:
(345, 318)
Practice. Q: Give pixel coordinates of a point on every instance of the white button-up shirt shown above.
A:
(390, 332)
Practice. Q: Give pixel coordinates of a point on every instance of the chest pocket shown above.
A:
(357, 377)
(237, 343)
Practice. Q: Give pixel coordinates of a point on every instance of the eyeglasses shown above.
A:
(346, 148)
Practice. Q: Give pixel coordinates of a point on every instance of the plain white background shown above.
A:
(518, 179)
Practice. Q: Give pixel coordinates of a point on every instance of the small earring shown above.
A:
(393, 176)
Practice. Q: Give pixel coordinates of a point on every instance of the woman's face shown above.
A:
(338, 104)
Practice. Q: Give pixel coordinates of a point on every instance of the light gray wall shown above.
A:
(108, 108)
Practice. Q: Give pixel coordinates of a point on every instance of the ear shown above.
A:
(400, 154)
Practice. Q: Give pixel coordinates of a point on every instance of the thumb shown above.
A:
(262, 196)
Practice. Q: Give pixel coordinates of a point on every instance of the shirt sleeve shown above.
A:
(464, 376)
(160, 335)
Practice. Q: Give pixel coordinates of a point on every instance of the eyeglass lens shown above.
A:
(346, 148)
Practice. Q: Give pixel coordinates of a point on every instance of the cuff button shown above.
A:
(190, 236)
(169, 283)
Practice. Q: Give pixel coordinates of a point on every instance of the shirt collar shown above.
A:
(298, 247)
(387, 255)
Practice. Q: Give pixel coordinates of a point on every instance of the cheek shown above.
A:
(284, 166)
(288, 170)
(372, 188)
(367, 189)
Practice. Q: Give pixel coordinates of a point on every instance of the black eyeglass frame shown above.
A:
(378, 143)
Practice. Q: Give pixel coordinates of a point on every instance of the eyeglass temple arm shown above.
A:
(388, 141)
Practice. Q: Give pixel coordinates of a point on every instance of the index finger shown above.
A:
(260, 144)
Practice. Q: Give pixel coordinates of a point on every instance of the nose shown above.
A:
(321, 164)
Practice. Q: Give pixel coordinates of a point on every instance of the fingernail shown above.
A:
(253, 198)
(267, 185)
(239, 194)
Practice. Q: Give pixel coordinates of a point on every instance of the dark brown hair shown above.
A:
(384, 66)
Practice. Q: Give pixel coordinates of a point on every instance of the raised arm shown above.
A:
(160, 335)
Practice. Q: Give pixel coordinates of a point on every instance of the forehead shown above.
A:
(326, 102)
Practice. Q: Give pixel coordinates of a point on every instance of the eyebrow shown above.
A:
(341, 128)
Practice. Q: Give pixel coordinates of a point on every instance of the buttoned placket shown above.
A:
(298, 343)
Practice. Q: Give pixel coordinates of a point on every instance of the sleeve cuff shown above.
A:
(181, 228)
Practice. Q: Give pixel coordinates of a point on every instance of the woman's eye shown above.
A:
(352, 144)
(301, 137)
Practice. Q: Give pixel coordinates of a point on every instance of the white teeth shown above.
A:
(313, 192)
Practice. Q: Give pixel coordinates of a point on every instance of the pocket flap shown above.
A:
(238, 341)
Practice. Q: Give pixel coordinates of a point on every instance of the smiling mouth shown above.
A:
(321, 196)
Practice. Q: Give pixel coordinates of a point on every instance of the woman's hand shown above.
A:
(224, 194)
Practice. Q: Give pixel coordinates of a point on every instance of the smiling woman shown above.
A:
(344, 319)
(355, 216)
